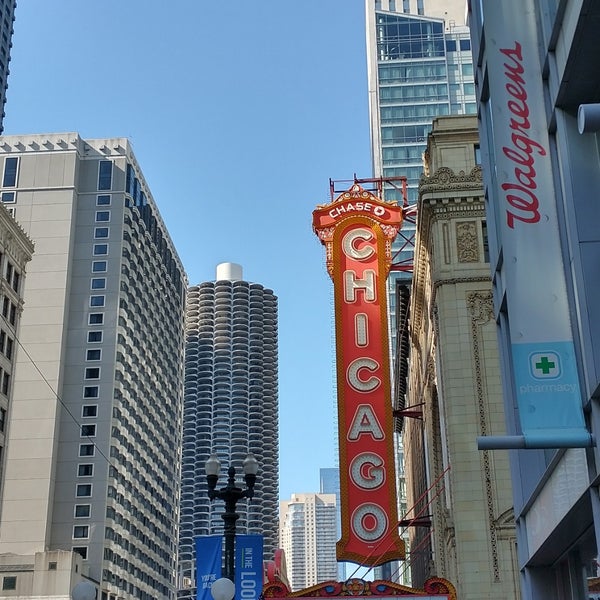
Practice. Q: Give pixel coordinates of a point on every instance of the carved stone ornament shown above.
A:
(467, 242)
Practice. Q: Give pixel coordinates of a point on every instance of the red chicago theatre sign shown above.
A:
(357, 230)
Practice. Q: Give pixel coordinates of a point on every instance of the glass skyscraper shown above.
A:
(7, 18)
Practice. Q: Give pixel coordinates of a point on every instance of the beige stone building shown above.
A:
(16, 249)
(460, 498)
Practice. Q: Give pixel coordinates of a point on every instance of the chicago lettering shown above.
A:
(520, 193)
(367, 470)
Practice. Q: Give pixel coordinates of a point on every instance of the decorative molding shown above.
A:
(480, 306)
(359, 587)
(467, 242)
(445, 179)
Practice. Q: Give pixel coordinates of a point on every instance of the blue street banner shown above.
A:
(248, 567)
(209, 552)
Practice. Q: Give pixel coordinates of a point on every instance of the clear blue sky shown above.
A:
(239, 112)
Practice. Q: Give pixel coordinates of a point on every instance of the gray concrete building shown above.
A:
(230, 408)
(93, 449)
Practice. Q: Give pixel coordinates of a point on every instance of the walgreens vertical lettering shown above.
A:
(521, 191)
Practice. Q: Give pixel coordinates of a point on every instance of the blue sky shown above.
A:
(239, 112)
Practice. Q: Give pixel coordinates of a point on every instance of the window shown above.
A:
(9, 348)
(100, 249)
(465, 45)
(15, 281)
(92, 373)
(486, 244)
(90, 410)
(83, 490)
(96, 300)
(11, 164)
(86, 470)
(94, 336)
(102, 216)
(81, 531)
(87, 449)
(96, 319)
(103, 200)
(9, 271)
(98, 283)
(101, 232)
(451, 45)
(95, 354)
(82, 511)
(8, 197)
(105, 175)
(2, 419)
(99, 266)
(82, 551)
(9, 582)
(5, 383)
(88, 430)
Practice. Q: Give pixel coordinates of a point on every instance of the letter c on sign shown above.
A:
(369, 522)
(349, 247)
(372, 383)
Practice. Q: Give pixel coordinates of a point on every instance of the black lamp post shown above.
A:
(230, 494)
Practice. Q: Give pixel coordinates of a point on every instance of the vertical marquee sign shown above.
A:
(357, 230)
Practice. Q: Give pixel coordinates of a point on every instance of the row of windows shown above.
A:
(105, 170)
(89, 430)
(9, 310)
(12, 276)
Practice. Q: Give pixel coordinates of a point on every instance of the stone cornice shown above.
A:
(454, 184)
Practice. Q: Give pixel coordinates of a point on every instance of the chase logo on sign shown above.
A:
(544, 365)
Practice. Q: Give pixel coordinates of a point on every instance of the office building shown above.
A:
(308, 535)
(92, 461)
(541, 165)
(230, 408)
(461, 524)
(330, 484)
(7, 18)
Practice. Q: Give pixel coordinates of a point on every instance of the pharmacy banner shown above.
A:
(209, 553)
(543, 357)
(357, 230)
(248, 567)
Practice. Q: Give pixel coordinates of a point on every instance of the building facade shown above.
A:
(540, 67)
(308, 536)
(461, 523)
(419, 67)
(16, 250)
(7, 18)
(230, 407)
(93, 450)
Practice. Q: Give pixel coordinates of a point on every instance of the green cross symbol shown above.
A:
(545, 365)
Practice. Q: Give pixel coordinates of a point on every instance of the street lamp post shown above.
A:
(230, 494)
